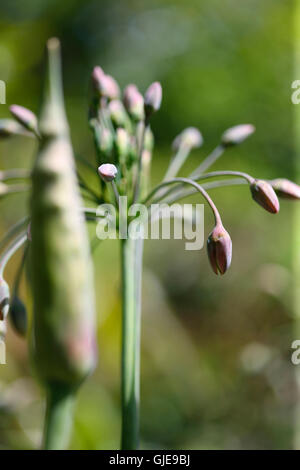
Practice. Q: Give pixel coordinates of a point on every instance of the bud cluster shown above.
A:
(120, 126)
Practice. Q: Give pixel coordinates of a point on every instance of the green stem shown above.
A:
(209, 160)
(177, 162)
(58, 420)
(139, 167)
(132, 251)
(214, 174)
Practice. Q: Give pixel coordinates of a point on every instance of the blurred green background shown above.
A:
(216, 369)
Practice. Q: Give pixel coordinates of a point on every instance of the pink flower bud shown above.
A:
(237, 134)
(190, 137)
(265, 196)
(285, 188)
(97, 76)
(105, 85)
(134, 102)
(108, 172)
(153, 97)
(219, 249)
(25, 117)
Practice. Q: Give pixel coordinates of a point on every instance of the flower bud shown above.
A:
(104, 85)
(8, 127)
(219, 249)
(106, 141)
(97, 76)
(4, 299)
(152, 100)
(190, 137)
(265, 196)
(118, 113)
(122, 143)
(108, 172)
(285, 188)
(25, 117)
(18, 315)
(237, 134)
(134, 102)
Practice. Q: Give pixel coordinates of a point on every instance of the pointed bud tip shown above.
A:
(263, 193)
(219, 249)
(107, 172)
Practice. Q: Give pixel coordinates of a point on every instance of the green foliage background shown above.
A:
(216, 369)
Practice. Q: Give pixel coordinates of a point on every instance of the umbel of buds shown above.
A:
(265, 196)
(237, 134)
(286, 189)
(219, 249)
(107, 172)
(25, 117)
(152, 99)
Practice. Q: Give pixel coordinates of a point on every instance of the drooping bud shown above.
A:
(237, 134)
(286, 189)
(9, 127)
(4, 299)
(265, 196)
(18, 315)
(134, 102)
(107, 172)
(219, 249)
(190, 138)
(152, 99)
(104, 85)
(118, 114)
(25, 117)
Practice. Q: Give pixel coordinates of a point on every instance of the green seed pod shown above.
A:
(64, 348)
